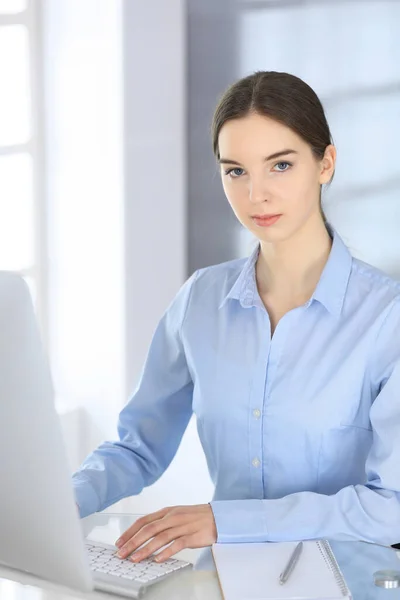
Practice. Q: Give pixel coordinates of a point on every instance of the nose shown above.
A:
(257, 191)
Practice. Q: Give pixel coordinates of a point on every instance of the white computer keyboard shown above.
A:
(126, 574)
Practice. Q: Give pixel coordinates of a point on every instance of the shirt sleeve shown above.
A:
(150, 426)
(369, 512)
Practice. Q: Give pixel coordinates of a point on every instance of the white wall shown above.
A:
(156, 212)
(116, 140)
(85, 198)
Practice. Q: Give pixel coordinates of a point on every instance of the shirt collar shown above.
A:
(330, 290)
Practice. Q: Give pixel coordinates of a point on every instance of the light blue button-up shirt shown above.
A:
(301, 432)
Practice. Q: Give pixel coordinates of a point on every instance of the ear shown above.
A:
(328, 164)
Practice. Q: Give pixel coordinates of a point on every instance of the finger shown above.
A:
(152, 530)
(137, 526)
(178, 545)
(163, 539)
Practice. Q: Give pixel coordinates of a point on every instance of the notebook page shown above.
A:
(251, 572)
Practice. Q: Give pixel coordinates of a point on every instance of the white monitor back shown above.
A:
(39, 523)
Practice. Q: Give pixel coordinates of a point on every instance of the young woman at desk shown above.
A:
(289, 359)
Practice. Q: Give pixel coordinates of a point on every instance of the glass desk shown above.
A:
(358, 561)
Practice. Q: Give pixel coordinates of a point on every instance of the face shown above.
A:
(267, 169)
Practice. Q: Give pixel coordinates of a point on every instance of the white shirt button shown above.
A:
(256, 413)
(255, 462)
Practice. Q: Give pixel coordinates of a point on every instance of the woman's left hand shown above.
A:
(184, 526)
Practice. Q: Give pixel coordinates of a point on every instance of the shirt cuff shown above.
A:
(85, 496)
(239, 521)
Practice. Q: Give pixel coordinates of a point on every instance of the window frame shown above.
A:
(30, 18)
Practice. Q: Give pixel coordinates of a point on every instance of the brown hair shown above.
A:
(282, 97)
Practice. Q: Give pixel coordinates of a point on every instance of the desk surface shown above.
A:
(357, 560)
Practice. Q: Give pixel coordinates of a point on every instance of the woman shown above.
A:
(289, 359)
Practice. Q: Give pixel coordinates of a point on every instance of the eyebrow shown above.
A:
(270, 157)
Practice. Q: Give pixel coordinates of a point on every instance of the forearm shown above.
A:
(108, 474)
(354, 513)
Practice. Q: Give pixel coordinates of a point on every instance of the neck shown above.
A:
(292, 268)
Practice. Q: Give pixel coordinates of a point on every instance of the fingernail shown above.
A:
(135, 557)
(120, 554)
(118, 543)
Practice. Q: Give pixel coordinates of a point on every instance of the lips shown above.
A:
(265, 216)
(265, 220)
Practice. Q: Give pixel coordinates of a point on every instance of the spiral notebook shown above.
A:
(251, 572)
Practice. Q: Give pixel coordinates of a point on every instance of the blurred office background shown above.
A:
(109, 193)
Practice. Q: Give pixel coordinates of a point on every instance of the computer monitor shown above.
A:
(40, 528)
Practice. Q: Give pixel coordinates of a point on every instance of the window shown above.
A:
(22, 231)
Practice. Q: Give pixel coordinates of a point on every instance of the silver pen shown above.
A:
(291, 564)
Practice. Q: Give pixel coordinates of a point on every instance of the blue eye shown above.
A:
(287, 164)
(235, 173)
